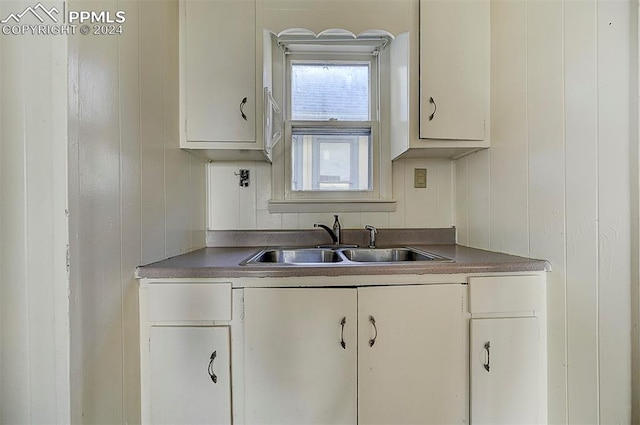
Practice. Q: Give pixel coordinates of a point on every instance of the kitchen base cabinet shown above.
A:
(297, 370)
(190, 379)
(508, 351)
(505, 377)
(333, 350)
(185, 352)
(411, 346)
(302, 361)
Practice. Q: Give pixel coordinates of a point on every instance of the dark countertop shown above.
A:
(224, 263)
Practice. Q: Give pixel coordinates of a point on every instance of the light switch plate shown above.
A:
(420, 178)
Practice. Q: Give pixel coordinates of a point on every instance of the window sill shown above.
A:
(331, 205)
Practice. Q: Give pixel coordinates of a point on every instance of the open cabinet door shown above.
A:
(272, 113)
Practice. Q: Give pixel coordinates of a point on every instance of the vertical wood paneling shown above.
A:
(376, 219)
(151, 132)
(264, 219)
(546, 162)
(233, 207)
(127, 212)
(130, 206)
(247, 197)
(178, 238)
(580, 155)
(223, 199)
(197, 202)
(581, 123)
(617, 52)
(445, 179)
(39, 225)
(509, 222)
(420, 204)
(99, 216)
(34, 305)
(396, 218)
(479, 215)
(14, 368)
(462, 201)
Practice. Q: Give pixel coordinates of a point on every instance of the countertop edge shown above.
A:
(197, 267)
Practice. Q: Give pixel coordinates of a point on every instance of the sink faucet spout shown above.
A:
(334, 238)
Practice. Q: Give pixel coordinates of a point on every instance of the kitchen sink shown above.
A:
(301, 256)
(294, 256)
(390, 255)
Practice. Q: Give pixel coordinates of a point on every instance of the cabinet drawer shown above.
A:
(189, 301)
(506, 294)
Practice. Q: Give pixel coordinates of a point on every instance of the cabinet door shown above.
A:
(182, 390)
(505, 375)
(454, 53)
(296, 369)
(411, 364)
(220, 53)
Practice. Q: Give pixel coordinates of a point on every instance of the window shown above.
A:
(326, 156)
(331, 159)
(331, 146)
(332, 124)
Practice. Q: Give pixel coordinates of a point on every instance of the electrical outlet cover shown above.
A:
(420, 178)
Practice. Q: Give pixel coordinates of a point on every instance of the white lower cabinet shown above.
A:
(185, 352)
(296, 369)
(378, 355)
(215, 352)
(505, 377)
(508, 352)
(190, 380)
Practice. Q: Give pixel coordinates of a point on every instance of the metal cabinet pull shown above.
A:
(244, 102)
(342, 323)
(212, 375)
(487, 365)
(435, 108)
(372, 341)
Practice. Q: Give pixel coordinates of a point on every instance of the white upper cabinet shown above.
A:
(221, 102)
(454, 51)
(439, 98)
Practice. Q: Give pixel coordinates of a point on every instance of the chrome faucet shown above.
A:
(372, 235)
(335, 233)
(334, 238)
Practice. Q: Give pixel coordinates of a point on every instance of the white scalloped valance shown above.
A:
(301, 39)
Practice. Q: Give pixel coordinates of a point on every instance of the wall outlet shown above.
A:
(420, 178)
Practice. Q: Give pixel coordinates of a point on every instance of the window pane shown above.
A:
(331, 159)
(322, 91)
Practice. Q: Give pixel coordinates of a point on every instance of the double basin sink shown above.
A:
(301, 256)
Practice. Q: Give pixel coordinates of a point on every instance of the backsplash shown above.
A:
(231, 207)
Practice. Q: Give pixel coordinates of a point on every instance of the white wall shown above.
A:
(558, 182)
(34, 306)
(232, 207)
(134, 196)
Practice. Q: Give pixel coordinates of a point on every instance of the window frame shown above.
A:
(373, 123)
